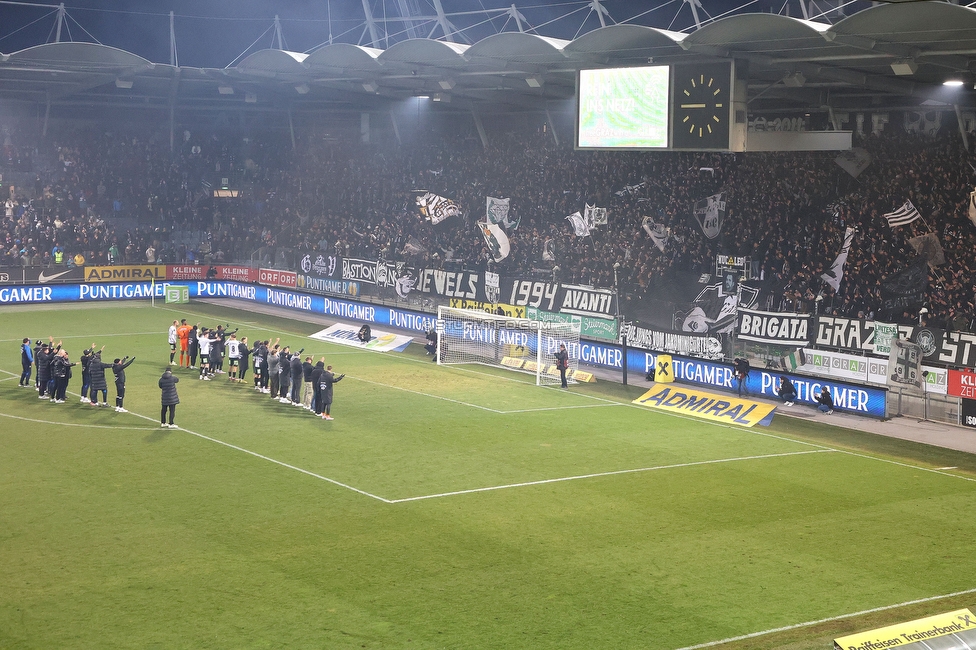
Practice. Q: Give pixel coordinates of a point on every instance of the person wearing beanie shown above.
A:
(169, 398)
(118, 368)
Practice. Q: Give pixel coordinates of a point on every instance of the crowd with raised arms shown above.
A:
(51, 367)
(789, 211)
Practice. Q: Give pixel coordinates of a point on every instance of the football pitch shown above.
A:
(445, 507)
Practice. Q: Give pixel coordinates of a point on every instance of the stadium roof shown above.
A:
(888, 57)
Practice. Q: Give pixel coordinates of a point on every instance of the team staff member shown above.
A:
(316, 387)
(273, 373)
(118, 368)
(284, 374)
(86, 359)
(26, 362)
(562, 362)
(172, 338)
(326, 381)
(98, 383)
(307, 389)
(44, 359)
(245, 359)
(61, 371)
(169, 397)
(297, 375)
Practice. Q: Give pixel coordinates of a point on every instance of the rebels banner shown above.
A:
(767, 327)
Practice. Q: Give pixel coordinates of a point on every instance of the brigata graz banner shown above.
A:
(770, 327)
(40, 275)
(858, 336)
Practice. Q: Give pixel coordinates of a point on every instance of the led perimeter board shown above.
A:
(623, 108)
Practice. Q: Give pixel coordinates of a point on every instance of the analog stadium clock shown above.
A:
(701, 105)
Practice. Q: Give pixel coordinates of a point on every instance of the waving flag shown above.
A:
(496, 239)
(835, 273)
(710, 214)
(579, 224)
(436, 208)
(903, 215)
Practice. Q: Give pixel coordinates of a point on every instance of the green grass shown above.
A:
(116, 533)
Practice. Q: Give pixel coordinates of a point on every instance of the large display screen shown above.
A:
(623, 108)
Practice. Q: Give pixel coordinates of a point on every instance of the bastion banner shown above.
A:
(686, 400)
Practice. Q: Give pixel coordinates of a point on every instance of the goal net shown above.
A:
(469, 336)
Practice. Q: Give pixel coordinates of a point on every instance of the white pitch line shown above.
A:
(840, 617)
(72, 424)
(10, 378)
(561, 408)
(613, 473)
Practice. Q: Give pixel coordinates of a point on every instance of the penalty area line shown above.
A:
(830, 619)
(613, 473)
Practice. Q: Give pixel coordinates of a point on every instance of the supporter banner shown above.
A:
(872, 337)
(590, 328)
(326, 286)
(693, 345)
(40, 275)
(276, 278)
(709, 406)
(865, 369)
(320, 266)
(767, 327)
(121, 273)
(587, 301)
(913, 633)
(451, 284)
(962, 383)
(530, 293)
(348, 335)
(211, 272)
(905, 289)
(511, 311)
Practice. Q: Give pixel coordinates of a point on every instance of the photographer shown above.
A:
(365, 334)
(740, 368)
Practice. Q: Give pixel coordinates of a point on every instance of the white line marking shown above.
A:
(72, 424)
(942, 469)
(10, 378)
(613, 473)
(561, 408)
(841, 617)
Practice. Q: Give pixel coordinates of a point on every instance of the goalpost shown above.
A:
(470, 336)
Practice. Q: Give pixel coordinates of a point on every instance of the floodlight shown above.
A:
(904, 67)
(534, 82)
(123, 83)
(302, 89)
(371, 86)
(225, 90)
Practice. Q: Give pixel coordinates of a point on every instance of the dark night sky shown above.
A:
(213, 33)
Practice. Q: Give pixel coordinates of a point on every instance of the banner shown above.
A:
(497, 210)
(884, 333)
(450, 284)
(905, 365)
(713, 311)
(768, 327)
(594, 216)
(320, 265)
(328, 286)
(211, 272)
(709, 406)
(835, 273)
(872, 337)
(710, 214)
(658, 232)
(906, 289)
(276, 278)
(498, 308)
(692, 345)
(530, 293)
(123, 273)
(587, 301)
(41, 275)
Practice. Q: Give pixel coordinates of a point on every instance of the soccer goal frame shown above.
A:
(467, 336)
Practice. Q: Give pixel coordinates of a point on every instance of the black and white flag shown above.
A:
(658, 232)
(549, 250)
(906, 289)
(972, 207)
(854, 161)
(496, 239)
(580, 229)
(929, 247)
(710, 214)
(835, 273)
(903, 215)
(630, 189)
(436, 208)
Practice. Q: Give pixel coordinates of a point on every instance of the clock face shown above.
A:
(701, 106)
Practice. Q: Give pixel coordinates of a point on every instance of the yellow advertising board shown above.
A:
(904, 634)
(512, 311)
(685, 400)
(145, 273)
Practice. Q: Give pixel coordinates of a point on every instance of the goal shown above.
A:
(522, 344)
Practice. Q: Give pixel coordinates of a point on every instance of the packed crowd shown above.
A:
(789, 211)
